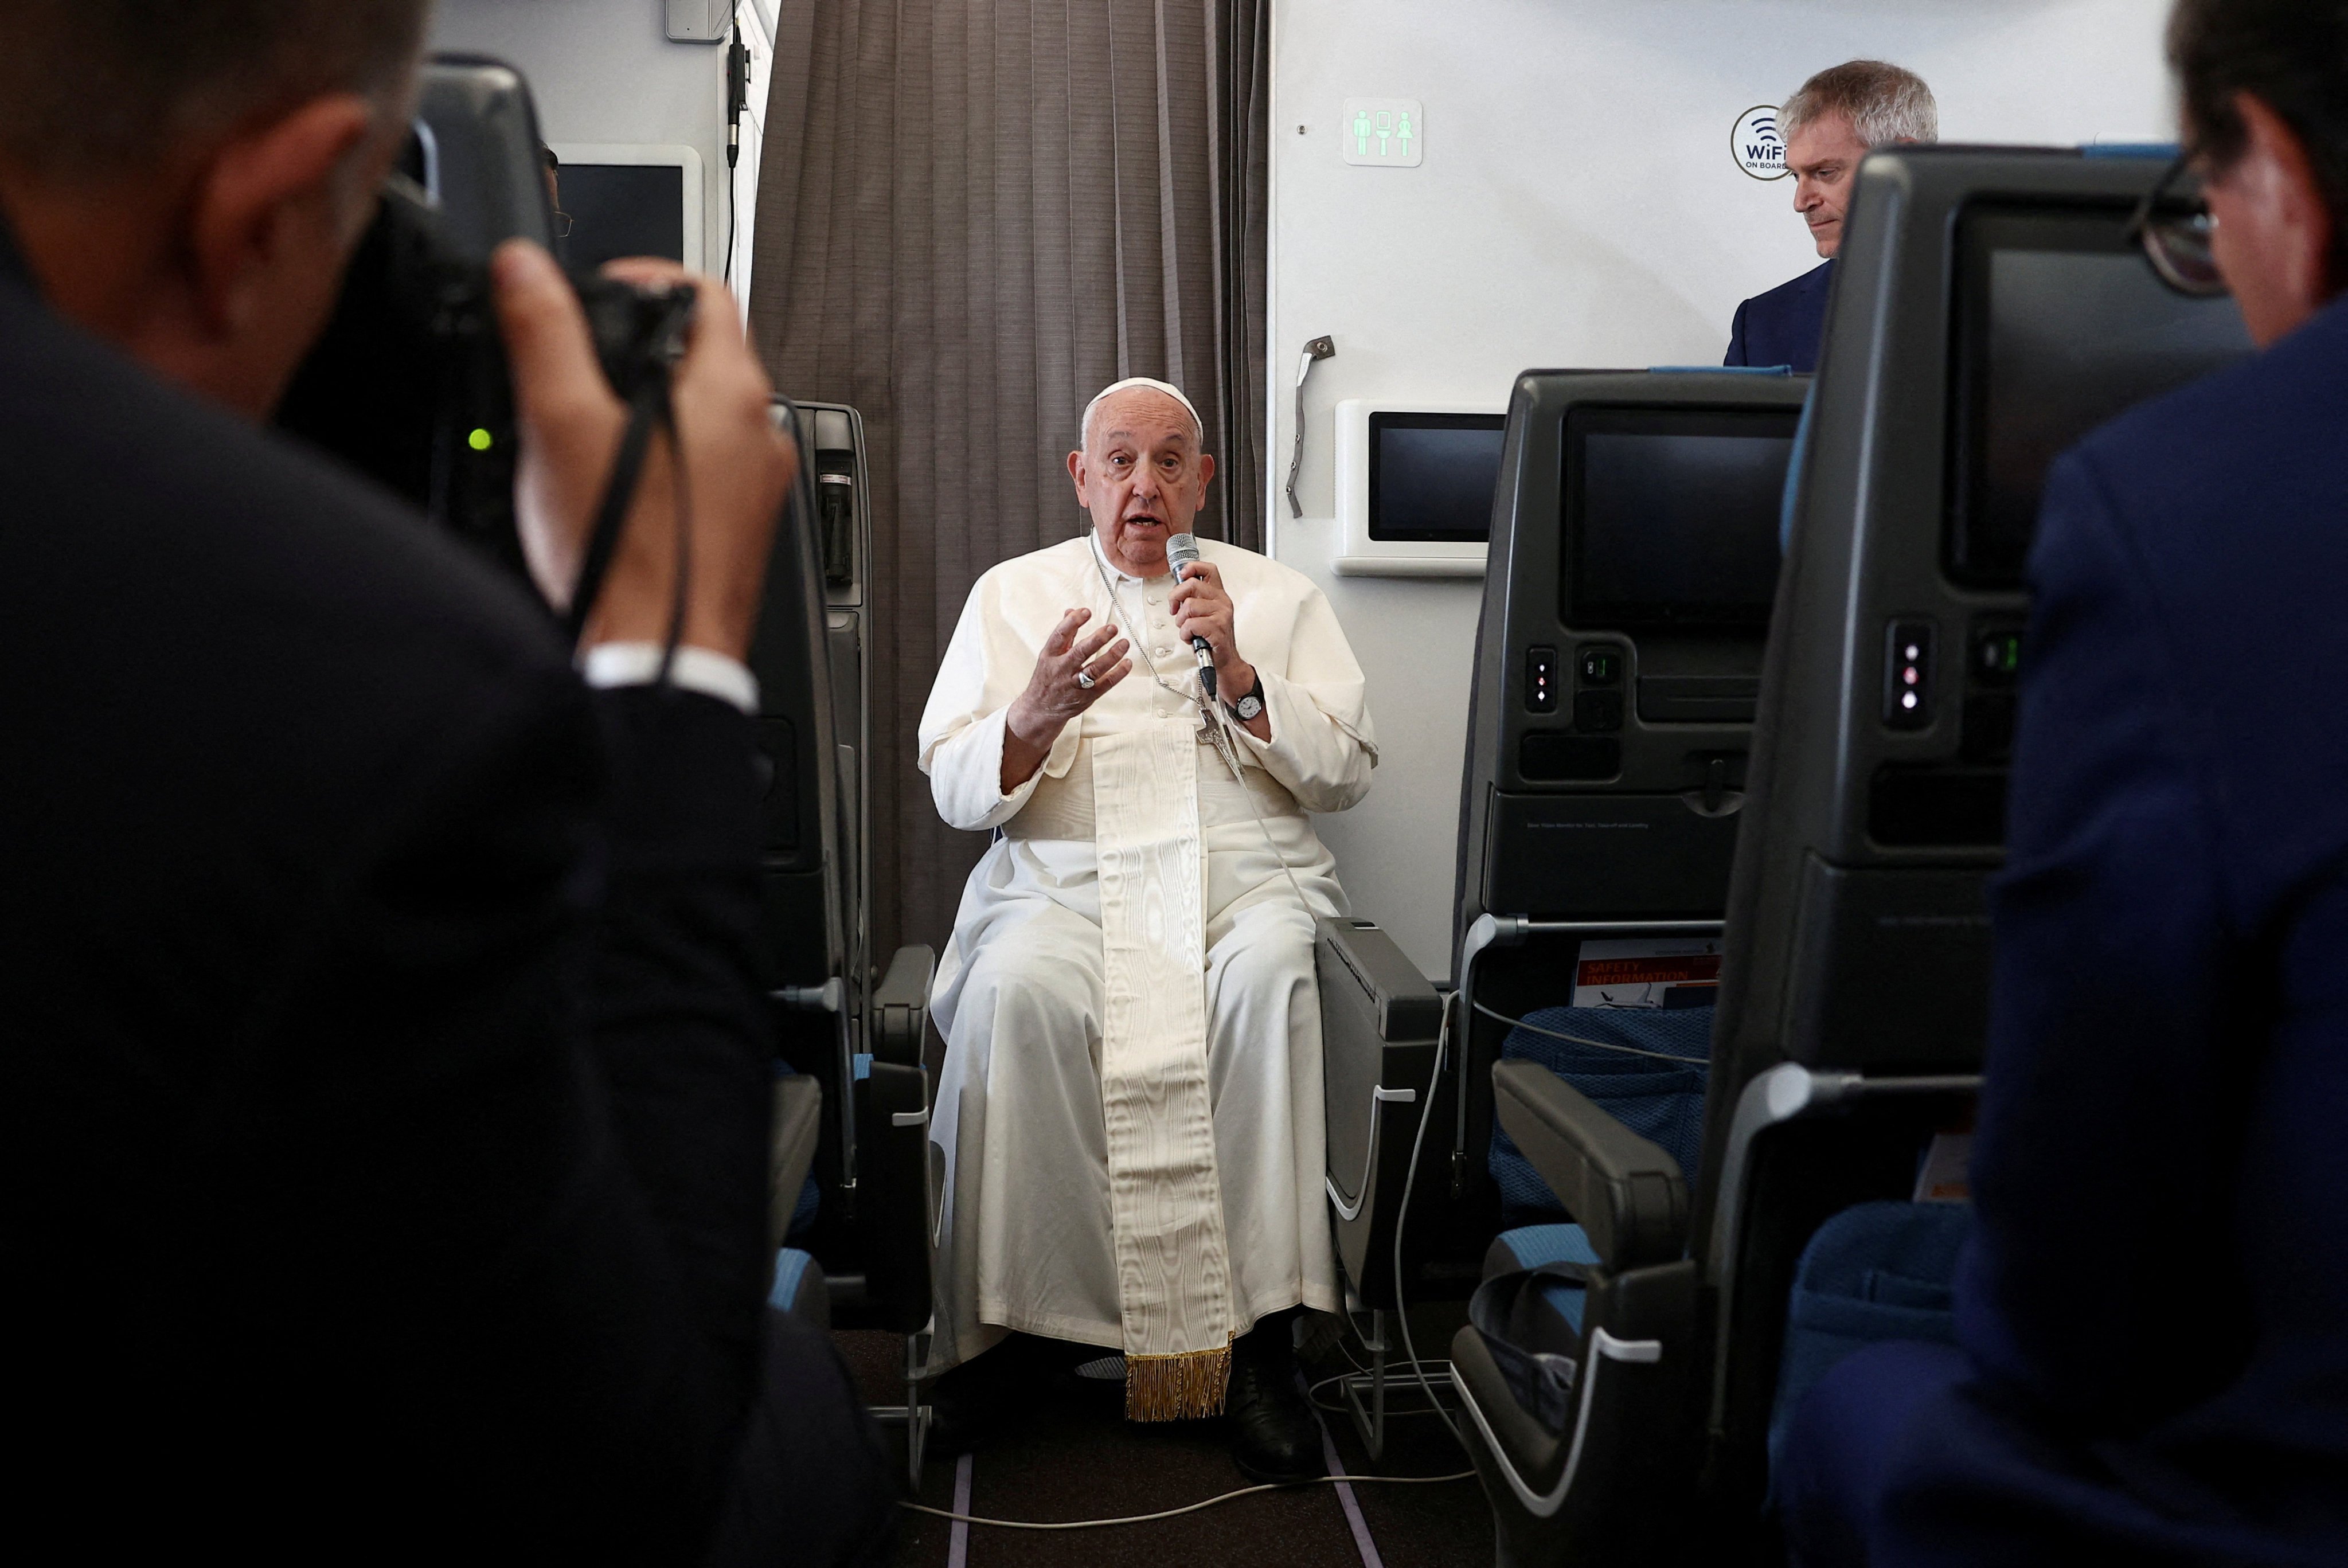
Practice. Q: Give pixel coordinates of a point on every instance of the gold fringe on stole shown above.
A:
(1185, 1387)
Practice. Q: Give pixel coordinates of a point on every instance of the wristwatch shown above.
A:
(1248, 707)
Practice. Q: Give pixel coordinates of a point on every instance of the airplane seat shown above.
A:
(1988, 311)
(794, 1196)
(852, 1032)
(1633, 551)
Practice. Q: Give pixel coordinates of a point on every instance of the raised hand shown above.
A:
(1202, 609)
(1072, 673)
(738, 468)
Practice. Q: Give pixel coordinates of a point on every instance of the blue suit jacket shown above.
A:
(1783, 325)
(2154, 1303)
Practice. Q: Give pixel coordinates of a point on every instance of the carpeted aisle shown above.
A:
(1069, 1454)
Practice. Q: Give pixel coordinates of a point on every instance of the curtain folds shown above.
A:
(972, 215)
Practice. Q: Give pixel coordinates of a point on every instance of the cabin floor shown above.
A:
(1071, 1454)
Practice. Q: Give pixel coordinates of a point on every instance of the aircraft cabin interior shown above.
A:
(1271, 782)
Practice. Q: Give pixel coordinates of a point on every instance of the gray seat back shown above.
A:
(1988, 309)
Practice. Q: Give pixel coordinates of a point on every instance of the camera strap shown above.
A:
(647, 410)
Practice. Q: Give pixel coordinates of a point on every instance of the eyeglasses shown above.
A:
(561, 224)
(2175, 227)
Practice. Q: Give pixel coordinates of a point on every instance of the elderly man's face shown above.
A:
(1824, 155)
(1142, 477)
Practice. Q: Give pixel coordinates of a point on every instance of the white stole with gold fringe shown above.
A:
(1173, 1265)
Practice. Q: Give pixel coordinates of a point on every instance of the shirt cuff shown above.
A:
(712, 673)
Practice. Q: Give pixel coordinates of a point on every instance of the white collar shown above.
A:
(1092, 537)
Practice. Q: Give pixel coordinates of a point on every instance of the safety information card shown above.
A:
(1648, 971)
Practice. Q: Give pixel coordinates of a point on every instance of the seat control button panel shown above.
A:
(1540, 680)
(1908, 674)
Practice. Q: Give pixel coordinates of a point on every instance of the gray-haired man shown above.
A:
(1828, 126)
(1129, 1108)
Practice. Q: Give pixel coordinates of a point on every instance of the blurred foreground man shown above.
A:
(2152, 1312)
(1130, 1107)
(383, 1033)
(1827, 127)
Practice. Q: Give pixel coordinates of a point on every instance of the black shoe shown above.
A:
(968, 1403)
(1274, 1438)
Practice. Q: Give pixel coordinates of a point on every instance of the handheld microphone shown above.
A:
(1182, 550)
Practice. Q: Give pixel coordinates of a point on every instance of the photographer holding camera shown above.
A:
(381, 999)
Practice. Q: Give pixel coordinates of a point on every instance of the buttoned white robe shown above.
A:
(1027, 1236)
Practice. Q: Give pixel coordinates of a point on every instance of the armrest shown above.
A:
(1379, 1023)
(1388, 988)
(1626, 1193)
(900, 1006)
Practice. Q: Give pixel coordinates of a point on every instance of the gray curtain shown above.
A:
(972, 215)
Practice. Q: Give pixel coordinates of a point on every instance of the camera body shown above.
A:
(410, 382)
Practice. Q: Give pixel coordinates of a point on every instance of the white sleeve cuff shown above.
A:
(694, 669)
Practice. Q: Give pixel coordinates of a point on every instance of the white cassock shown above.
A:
(1130, 1112)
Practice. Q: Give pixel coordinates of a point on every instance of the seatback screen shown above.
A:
(1671, 516)
(1432, 475)
(2062, 324)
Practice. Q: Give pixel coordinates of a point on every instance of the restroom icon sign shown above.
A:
(1389, 133)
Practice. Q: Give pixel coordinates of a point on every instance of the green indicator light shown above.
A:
(480, 441)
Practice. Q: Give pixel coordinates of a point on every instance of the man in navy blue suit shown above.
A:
(2152, 1313)
(1827, 127)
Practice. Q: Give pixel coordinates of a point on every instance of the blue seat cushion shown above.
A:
(1874, 1272)
(799, 1289)
(1529, 1246)
(1654, 1086)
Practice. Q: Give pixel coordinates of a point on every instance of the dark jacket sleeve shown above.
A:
(531, 1141)
(679, 1025)
(2101, 1166)
(1736, 350)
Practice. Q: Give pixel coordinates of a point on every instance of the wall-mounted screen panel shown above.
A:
(621, 209)
(1432, 475)
(628, 200)
(2062, 324)
(1414, 483)
(1671, 516)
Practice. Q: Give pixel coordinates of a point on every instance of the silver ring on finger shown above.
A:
(1084, 679)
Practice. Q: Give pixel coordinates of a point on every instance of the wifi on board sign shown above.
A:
(1759, 151)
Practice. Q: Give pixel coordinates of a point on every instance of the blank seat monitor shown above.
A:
(1633, 569)
(630, 200)
(1414, 488)
(1671, 517)
(2061, 325)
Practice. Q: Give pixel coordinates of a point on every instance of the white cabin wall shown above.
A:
(604, 70)
(1577, 205)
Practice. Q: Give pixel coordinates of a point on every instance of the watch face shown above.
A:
(1250, 705)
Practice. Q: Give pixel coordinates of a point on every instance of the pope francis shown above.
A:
(1129, 1112)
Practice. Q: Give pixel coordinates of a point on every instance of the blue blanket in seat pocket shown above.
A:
(1654, 1088)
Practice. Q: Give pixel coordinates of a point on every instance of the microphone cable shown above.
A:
(1214, 723)
(1586, 1040)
